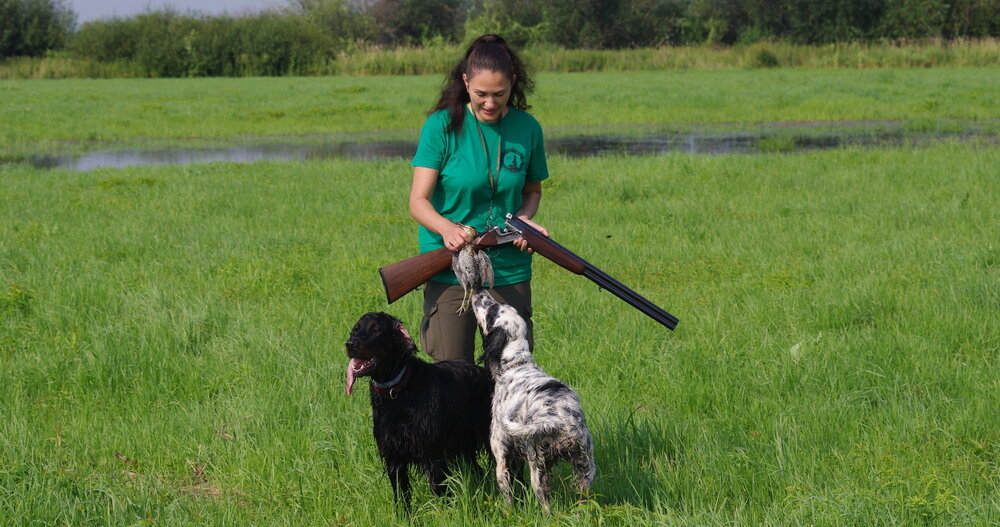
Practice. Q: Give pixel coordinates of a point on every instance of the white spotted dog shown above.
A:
(536, 418)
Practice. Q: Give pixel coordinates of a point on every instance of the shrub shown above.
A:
(166, 44)
(32, 27)
(765, 58)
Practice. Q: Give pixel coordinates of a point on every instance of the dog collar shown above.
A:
(393, 387)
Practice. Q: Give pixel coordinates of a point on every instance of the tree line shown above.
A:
(303, 34)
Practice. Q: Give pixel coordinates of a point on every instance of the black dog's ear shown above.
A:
(403, 338)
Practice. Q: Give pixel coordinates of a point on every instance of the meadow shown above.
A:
(171, 337)
(72, 114)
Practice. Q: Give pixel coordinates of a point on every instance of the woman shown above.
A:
(480, 157)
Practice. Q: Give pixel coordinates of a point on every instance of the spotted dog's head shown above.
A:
(377, 342)
(494, 316)
(504, 332)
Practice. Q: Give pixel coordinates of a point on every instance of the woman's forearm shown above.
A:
(531, 197)
(422, 211)
(453, 235)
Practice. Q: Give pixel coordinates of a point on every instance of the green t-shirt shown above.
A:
(463, 193)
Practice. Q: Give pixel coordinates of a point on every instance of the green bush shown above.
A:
(106, 40)
(32, 27)
(167, 44)
(765, 58)
(913, 19)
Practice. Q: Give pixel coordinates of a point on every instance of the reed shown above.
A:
(65, 67)
(439, 58)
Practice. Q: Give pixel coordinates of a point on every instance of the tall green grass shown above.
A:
(918, 54)
(440, 58)
(171, 341)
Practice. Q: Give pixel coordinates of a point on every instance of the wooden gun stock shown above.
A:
(406, 275)
(573, 263)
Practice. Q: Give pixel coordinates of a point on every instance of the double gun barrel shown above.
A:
(566, 259)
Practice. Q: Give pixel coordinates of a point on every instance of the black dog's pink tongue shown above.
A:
(350, 374)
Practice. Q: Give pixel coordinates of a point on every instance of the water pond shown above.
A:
(292, 149)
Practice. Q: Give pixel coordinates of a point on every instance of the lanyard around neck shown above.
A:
(482, 139)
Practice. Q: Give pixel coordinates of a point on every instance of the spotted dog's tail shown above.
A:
(527, 430)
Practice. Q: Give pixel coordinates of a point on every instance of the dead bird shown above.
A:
(473, 269)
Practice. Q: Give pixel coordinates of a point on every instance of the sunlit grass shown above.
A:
(171, 341)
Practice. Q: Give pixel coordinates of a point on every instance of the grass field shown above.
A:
(171, 338)
(84, 114)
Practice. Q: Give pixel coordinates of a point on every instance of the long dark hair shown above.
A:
(490, 53)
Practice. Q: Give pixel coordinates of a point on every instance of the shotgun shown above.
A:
(574, 264)
(405, 276)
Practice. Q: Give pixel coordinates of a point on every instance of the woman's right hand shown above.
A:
(457, 236)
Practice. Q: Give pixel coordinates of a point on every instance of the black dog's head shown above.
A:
(378, 341)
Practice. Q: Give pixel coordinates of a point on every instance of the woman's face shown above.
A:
(489, 92)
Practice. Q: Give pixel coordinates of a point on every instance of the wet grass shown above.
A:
(171, 341)
(66, 115)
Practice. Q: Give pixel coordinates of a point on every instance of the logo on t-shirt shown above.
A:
(513, 160)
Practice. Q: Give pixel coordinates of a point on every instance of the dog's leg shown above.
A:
(400, 479)
(585, 470)
(472, 459)
(541, 479)
(515, 466)
(437, 472)
(505, 479)
(502, 454)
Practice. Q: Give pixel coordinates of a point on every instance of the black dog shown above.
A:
(423, 414)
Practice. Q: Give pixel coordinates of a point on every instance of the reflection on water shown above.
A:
(236, 154)
(579, 146)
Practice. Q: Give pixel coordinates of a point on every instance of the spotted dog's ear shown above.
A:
(494, 343)
(492, 314)
(405, 340)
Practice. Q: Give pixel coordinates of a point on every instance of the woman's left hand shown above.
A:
(521, 243)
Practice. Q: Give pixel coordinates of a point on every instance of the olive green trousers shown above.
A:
(447, 335)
